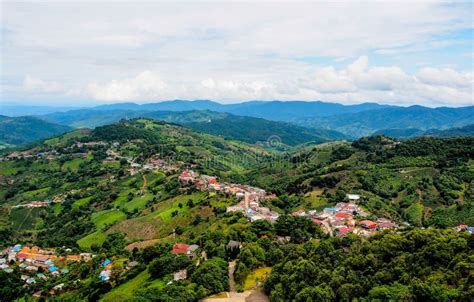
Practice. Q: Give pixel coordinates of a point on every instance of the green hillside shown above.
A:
(26, 129)
(110, 204)
(248, 129)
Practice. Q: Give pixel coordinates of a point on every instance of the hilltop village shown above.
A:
(343, 218)
(39, 264)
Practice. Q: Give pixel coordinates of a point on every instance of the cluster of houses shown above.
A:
(249, 197)
(39, 204)
(31, 153)
(464, 227)
(345, 218)
(106, 270)
(36, 263)
(106, 267)
(153, 164)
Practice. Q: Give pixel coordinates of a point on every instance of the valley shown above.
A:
(140, 193)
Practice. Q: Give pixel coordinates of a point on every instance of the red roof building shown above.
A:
(340, 215)
(180, 248)
(317, 221)
(343, 230)
(184, 174)
(21, 256)
(368, 224)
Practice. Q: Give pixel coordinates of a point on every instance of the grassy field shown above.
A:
(415, 213)
(97, 237)
(122, 198)
(165, 209)
(39, 193)
(138, 202)
(7, 168)
(63, 139)
(107, 217)
(80, 202)
(126, 290)
(73, 164)
(256, 276)
(315, 200)
(25, 219)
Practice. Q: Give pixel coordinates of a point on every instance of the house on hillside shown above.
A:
(368, 224)
(185, 249)
(353, 198)
(186, 177)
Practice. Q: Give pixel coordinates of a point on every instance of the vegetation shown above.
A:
(104, 209)
(26, 129)
(420, 265)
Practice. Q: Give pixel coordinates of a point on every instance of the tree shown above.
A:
(168, 264)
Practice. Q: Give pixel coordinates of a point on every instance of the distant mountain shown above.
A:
(251, 130)
(460, 131)
(351, 120)
(415, 117)
(23, 110)
(271, 110)
(411, 132)
(293, 110)
(400, 133)
(27, 129)
(248, 129)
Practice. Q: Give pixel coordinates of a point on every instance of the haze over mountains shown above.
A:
(295, 122)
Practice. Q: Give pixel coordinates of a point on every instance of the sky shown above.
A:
(71, 53)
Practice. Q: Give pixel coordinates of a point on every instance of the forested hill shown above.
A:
(27, 129)
(248, 129)
(128, 193)
(244, 128)
(413, 132)
(370, 121)
(425, 181)
(351, 120)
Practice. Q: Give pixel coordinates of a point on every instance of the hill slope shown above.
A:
(248, 129)
(27, 129)
(352, 120)
(370, 121)
(413, 132)
(106, 200)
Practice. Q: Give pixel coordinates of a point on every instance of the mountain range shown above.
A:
(294, 122)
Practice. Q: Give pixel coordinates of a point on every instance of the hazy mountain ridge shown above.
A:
(370, 121)
(248, 129)
(27, 129)
(412, 132)
(352, 120)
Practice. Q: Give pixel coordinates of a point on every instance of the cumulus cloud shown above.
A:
(228, 52)
(444, 77)
(355, 83)
(37, 85)
(391, 84)
(145, 86)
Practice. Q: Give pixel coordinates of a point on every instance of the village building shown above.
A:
(368, 224)
(353, 198)
(186, 249)
(180, 275)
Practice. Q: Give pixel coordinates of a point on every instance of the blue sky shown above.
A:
(399, 52)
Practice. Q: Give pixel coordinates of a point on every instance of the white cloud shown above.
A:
(37, 85)
(145, 86)
(444, 77)
(234, 51)
(360, 82)
(357, 82)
